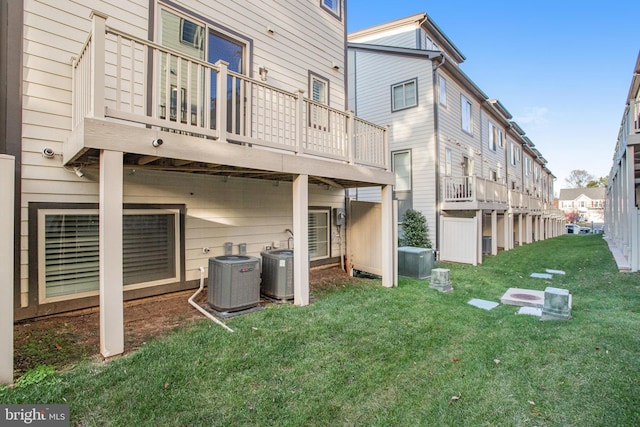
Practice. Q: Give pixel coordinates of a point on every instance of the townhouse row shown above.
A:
(139, 138)
(622, 213)
(457, 154)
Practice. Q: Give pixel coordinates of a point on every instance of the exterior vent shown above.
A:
(234, 283)
(277, 273)
(415, 262)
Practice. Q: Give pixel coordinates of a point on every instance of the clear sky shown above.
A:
(561, 67)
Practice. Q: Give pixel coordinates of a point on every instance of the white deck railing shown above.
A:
(474, 189)
(120, 76)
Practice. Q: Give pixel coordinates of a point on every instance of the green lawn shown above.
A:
(372, 356)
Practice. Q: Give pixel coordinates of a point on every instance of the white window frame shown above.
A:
(41, 248)
(318, 116)
(496, 137)
(447, 162)
(406, 87)
(442, 94)
(466, 111)
(493, 146)
(313, 79)
(334, 7)
(327, 236)
(406, 192)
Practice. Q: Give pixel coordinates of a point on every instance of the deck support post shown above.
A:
(110, 244)
(301, 240)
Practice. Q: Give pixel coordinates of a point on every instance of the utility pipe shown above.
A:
(202, 310)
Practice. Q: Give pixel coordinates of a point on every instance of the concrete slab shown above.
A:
(560, 272)
(523, 298)
(484, 304)
(541, 275)
(531, 311)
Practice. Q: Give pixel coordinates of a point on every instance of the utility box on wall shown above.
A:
(415, 262)
(339, 216)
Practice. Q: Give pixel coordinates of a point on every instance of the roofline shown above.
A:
(500, 108)
(635, 82)
(374, 29)
(517, 128)
(422, 19)
(428, 54)
(428, 22)
(465, 80)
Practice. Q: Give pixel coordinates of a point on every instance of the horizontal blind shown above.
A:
(148, 248)
(72, 252)
(318, 234)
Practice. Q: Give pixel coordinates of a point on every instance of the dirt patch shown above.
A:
(65, 339)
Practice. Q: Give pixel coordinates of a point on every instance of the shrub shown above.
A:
(414, 226)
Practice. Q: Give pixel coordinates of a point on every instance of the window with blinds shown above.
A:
(318, 234)
(68, 251)
(319, 114)
(332, 6)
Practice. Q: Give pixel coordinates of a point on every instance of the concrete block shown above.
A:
(440, 280)
(557, 304)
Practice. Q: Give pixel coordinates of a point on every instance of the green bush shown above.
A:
(416, 231)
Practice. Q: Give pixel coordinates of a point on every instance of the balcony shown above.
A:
(473, 193)
(127, 90)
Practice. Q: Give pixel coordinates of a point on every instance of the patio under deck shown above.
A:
(137, 104)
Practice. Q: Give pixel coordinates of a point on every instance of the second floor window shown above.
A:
(465, 107)
(319, 115)
(496, 137)
(333, 6)
(443, 91)
(404, 95)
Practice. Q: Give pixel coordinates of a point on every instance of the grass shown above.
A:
(368, 355)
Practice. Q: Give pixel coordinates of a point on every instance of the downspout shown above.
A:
(202, 310)
(436, 132)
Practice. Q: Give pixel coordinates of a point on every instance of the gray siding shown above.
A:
(410, 129)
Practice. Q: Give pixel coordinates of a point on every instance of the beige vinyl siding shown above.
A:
(304, 38)
(410, 129)
(243, 211)
(218, 210)
(367, 194)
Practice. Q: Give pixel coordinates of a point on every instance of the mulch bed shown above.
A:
(64, 339)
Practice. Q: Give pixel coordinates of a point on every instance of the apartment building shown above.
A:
(623, 190)
(458, 156)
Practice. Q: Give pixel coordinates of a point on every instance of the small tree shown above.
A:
(415, 228)
(579, 178)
